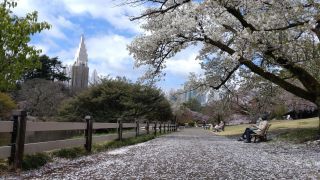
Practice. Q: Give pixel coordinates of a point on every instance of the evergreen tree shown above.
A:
(51, 69)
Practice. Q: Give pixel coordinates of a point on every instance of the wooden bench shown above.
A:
(261, 136)
(219, 129)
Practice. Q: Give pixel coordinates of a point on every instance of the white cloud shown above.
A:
(44, 48)
(182, 67)
(64, 23)
(109, 10)
(67, 55)
(110, 46)
(45, 45)
(184, 63)
(49, 11)
(108, 54)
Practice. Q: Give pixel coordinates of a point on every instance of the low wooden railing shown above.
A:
(19, 126)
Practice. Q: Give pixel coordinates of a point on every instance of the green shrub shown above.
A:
(34, 161)
(3, 165)
(6, 105)
(114, 98)
(192, 124)
(124, 142)
(70, 153)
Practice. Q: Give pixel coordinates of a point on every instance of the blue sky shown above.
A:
(107, 32)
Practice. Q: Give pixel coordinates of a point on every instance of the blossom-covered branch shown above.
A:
(240, 33)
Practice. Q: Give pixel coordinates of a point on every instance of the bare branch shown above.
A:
(223, 81)
(160, 10)
(291, 25)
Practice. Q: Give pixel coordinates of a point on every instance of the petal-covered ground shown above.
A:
(189, 154)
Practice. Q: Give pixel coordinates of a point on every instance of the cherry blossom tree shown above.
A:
(277, 40)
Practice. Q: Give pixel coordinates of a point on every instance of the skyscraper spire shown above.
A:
(81, 55)
(80, 69)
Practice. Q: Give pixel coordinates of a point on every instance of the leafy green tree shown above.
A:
(117, 98)
(16, 55)
(160, 110)
(51, 69)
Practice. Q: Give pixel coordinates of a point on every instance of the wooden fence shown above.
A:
(19, 126)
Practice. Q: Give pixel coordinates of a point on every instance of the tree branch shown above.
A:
(223, 82)
(237, 14)
(316, 30)
(291, 25)
(258, 70)
(277, 80)
(308, 81)
(160, 10)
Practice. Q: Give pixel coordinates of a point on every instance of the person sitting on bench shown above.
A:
(254, 129)
(219, 127)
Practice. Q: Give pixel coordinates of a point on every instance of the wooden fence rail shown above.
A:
(19, 126)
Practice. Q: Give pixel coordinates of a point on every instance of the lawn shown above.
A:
(291, 130)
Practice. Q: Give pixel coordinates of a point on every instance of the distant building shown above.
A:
(201, 97)
(184, 95)
(80, 69)
(94, 78)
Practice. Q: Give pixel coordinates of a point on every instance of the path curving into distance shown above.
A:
(189, 154)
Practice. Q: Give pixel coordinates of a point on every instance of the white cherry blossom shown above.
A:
(268, 37)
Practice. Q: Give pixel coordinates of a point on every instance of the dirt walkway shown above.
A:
(189, 154)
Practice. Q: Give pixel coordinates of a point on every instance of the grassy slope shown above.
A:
(289, 130)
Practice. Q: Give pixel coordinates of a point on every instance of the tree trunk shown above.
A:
(318, 107)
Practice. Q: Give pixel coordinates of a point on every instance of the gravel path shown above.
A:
(189, 154)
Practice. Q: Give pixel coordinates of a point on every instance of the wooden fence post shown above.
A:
(137, 128)
(147, 127)
(120, 130)
(17, 139)
(175, 123)
(155, 128)
(88, 134)
(160, 131)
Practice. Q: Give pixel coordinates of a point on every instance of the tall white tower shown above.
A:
(94, 78)
(80, 69)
